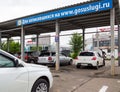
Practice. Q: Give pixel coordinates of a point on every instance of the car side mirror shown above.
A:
(16, 63)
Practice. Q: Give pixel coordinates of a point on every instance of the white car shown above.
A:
(89, 58)
(18, 76)
(49, 58)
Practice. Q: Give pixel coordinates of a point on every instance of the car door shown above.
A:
(12, 79)
(63, 59)
(66, 58)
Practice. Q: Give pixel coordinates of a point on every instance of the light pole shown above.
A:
(97, 38)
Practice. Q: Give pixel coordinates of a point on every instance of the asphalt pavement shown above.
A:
(86, 79)
(100, 85)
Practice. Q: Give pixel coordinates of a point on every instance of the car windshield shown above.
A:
(34, 53)
(86, 54)
(48, 54)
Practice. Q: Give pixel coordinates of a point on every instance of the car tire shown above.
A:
(40, 85)
(78, 66)
(70, 62)
(103, 62)
(54, 64)
(32, 61)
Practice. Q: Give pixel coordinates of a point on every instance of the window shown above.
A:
(53, 54)
(5, 61)
(86, 54)
(109, 50)
(48, 54)
(99, 55)
(45, 54)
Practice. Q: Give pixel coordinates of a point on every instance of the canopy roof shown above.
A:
(89, 20)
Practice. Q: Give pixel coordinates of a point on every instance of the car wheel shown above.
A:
(54, 64)
(78, 66)
(32, 61)
(70, 62)
(40, 85)
(103, 62)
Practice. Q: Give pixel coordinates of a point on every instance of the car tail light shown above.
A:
(76, 58)
(26, 57)
(94, 58)
(49, 58)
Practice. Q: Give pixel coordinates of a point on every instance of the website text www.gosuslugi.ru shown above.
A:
(96, 7)
(68, 12)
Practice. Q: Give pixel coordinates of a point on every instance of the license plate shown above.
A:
(42, 59)
(84, 64)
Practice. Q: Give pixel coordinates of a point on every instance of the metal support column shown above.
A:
(0, 39)
(37, 42)
(118, 45)
(83, 39)
(57, 45)
(8, 44)
(22, 42)
(112, 23)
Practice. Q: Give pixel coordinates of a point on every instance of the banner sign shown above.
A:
(67, 12)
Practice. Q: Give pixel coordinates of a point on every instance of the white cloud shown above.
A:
(11, 9)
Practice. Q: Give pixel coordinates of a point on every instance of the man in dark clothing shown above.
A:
(104, 56)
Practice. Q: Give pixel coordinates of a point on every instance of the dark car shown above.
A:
(30, 56)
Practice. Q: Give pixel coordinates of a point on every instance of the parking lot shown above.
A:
(85, 79)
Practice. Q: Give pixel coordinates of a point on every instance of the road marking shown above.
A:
(103, 89)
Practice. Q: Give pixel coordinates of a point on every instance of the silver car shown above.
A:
(49, 58)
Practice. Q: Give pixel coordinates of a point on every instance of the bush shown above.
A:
(74, 55)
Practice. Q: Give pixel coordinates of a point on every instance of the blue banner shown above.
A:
(67, 12)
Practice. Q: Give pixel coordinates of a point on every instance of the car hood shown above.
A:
(34, 67)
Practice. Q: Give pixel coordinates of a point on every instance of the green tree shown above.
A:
(34, 48)
(14, 47)
(4, 46)
(77, 43)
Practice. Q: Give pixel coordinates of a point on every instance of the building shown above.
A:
(44, 41)
(103, 39)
